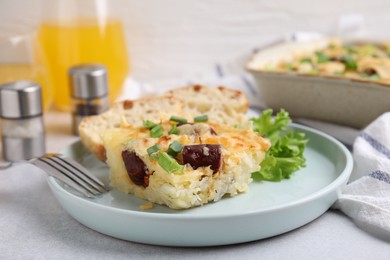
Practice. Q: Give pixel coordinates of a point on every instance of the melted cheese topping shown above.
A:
(242, 152)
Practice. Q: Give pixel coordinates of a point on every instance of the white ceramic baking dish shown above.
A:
(345, 101)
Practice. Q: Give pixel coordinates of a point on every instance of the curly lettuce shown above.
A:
(287, 146)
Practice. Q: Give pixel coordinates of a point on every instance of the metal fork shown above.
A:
(71, 173)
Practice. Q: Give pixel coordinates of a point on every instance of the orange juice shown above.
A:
(68, 43)
(14, 72)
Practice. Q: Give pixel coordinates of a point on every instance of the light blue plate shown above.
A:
(266, 210)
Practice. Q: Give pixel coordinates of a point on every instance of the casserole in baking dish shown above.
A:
(341, 82)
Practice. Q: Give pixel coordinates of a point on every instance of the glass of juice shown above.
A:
(74, 32)
(21, 58)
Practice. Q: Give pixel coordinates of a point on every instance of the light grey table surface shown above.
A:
(34, 226)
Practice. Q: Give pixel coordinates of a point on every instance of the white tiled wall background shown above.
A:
(175, 38)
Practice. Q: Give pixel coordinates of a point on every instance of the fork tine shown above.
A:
(76, 176)
(53, 171)
(85, 175)
(70, 172)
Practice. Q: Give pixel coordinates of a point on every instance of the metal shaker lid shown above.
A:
(88, 81)
(20, 99)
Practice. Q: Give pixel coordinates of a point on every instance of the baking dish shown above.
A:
(353, 102)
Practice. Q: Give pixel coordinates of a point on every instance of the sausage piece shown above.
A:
(203, 155)
(135, 167)
(369, 72)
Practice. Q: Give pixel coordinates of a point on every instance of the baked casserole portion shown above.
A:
(358, 60)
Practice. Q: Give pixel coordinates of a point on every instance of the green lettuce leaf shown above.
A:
(287, 146)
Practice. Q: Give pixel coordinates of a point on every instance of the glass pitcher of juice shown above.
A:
(75, 32)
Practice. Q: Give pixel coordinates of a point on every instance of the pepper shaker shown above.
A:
(89, 92)
(23, 133)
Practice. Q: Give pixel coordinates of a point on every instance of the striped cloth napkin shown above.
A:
(366, 199)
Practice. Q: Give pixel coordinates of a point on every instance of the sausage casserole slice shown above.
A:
(180, 164)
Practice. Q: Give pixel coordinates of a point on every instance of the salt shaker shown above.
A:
(89, 92)
(23, 132)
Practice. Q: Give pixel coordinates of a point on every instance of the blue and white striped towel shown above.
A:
(366, 199)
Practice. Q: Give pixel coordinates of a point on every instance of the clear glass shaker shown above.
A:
(23, 133)
(88, 91)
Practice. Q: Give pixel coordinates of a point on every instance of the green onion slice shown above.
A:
(174, 148)
(174, 130)
(169, 164)
(154, 152)
(149, 124)
(290, 66)
(156, 131)
(322, 57)
(305, 59)
(178, 119)
(349, 62)
(202, 118)
(153, 149)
